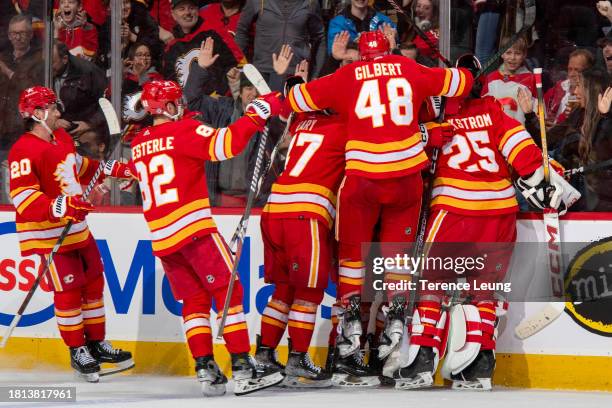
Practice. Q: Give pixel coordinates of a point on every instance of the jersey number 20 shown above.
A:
(399, 93)
(161, 168)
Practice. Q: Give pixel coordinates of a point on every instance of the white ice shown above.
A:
(183, 392)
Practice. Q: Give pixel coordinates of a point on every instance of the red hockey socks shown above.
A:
(196, 323)
(302, 317)
(235, 333)
(69, 317)
(350, 278)
(93, 309)
(275, 315)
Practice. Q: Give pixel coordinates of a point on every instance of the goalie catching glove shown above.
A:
(560, 197)
(264, 107)
(72, 208)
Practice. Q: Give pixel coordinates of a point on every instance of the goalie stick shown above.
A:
(593, 168)
(115, 132)
(533, 324)
(262, 87)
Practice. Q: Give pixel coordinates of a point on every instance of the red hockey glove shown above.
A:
(114, 168)
(72, 208)
(437, 134)
(264, 107)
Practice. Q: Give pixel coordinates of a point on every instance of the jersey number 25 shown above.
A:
(468, 146)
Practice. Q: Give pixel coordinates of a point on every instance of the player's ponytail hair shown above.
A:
(594, 82)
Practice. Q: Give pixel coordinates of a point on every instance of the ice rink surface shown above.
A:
(184, 392)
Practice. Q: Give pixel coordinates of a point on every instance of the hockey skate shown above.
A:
(394, 327)
(250, 377)
(477, 376)
(419, 374)
(351, 371)
(301, 372)
(266, 356)
(210, 376)
(104, 352)
(84, 364)
(350, 328)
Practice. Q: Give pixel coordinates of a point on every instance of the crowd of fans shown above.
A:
(203, 44)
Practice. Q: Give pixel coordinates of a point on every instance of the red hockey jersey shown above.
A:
(39, 172)
(80, 40)
(472, 175)
(505, 87)
(168, 160)
(313, 170)
(380, 100)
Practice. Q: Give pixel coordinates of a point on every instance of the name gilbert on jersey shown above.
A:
(472, 122)
(380, 69)
(152, 146)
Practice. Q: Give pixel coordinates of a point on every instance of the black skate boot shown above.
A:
(394, 327)
(351, 371)
(104, 352)
(84, 364)
(301, 372)
(210, 376)
(419, 374)
(350, 324)
(330, 362)
(250, 377)
(266, 356)
(477, 376)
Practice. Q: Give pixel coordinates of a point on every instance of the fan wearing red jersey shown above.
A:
(168, 159)
(473, 202)
(46, 174)
(379, 97)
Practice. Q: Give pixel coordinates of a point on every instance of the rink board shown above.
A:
(143, 317)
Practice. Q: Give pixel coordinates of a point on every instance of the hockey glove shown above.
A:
(264, 107)
(72, 208)
(560, 197)
(114, 168)
(436, 134)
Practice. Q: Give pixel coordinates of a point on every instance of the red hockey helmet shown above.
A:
(36, 97)
(158, 93)
(373, 44)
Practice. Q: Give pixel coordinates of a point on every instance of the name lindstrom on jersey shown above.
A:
(472, 122)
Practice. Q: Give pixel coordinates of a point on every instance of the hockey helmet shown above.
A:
(469, 62)
(158, 93)
(36, 97)
(373, 44)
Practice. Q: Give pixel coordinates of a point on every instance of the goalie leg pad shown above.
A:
(464, 339)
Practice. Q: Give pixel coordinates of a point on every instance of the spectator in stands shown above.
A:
(356, 18)
(79, 84)
(72, 28)
(137, 26)
(560, 99)
(190, 33)
(222, 16)
(20, 68)
(511, 76)
(139, 68)
(489, 12)
(607, 54)
(425, 15)
(277, 22)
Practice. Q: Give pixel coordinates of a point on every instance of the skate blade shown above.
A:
(291, 381)
(481, 384)
(249, 385)
(421, 380)
(89, 377)
(351, 381)
(213, 390)
(117, 368)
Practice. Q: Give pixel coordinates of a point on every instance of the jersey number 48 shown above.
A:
(399, 94)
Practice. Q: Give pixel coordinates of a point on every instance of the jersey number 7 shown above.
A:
(314, 141)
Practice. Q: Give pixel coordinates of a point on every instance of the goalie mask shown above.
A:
(472, 64)
(157, 94)
(373, 44)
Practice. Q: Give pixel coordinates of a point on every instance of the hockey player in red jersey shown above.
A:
(473, 201)
(168, 159)
(379, 97)
(46, 174)
(296, 228)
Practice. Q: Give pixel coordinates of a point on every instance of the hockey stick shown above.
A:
(262, 87)
(421, 33)
(529, 326)
(530, 16)
(115, 131)
(593, 168)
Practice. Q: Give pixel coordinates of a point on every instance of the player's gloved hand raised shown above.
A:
(72, 208)
(437, 134)
(114, 168)
(264, 107)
